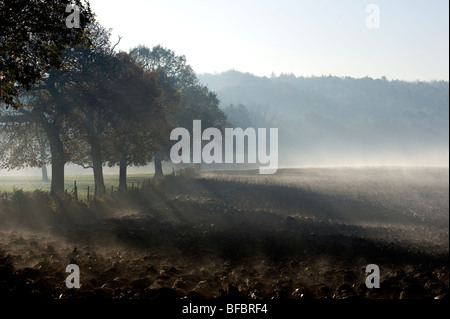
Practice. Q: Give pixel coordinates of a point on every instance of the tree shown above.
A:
(174, 67)
(48, 110)
(103, 108)
(251, 116)
(49, 104)
(44, 112)
(197, 102)
(33, 38)
(121, 113)
(24, 145)
(238, 116)
(105, 92)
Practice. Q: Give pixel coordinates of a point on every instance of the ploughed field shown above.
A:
(298, 234)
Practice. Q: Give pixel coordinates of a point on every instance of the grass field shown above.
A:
(31, 183)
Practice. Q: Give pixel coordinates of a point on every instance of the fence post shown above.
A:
(112, 191)
(75, 190)
(88, 194)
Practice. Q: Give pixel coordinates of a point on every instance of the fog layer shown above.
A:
(333, 121)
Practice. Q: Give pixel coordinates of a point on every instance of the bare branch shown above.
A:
(114, 46)
(85, 166)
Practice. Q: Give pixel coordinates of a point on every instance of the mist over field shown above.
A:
(331, 121)
(341, 121)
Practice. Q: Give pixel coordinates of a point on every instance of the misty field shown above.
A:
(298, 234)
(31, 183)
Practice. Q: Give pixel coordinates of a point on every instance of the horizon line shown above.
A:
(273, 75)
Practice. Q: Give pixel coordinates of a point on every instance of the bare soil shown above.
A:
(298, 234)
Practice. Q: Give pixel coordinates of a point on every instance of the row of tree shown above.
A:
(104, 108)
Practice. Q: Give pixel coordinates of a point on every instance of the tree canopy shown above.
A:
(105, 109)
(33, 38)
(197, 101)
(70, 98)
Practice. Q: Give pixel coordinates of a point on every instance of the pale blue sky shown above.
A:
(313, 37)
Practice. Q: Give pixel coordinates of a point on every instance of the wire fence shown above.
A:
(94, 192)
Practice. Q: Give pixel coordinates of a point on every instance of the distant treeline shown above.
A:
(322, 118)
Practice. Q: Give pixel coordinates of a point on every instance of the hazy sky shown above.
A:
(313, 37)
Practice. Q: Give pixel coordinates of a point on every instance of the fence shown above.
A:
(112, 191)
(189, 171)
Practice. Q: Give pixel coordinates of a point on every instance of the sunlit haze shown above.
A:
(300, 37)
(205, 157)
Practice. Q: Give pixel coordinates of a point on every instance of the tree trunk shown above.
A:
(97, 164)
(158, 165)
(122, 176)
(57, 185)
(58, 159)
(44, 167)
(44, 174)
(97, 159)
